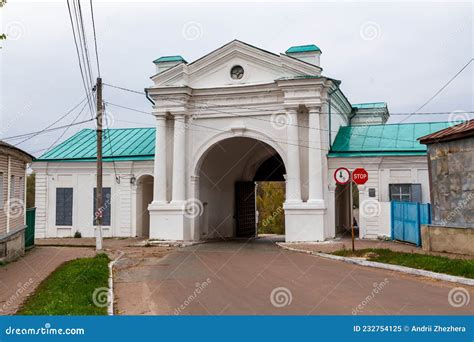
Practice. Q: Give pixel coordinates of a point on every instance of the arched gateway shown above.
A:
(218, 120)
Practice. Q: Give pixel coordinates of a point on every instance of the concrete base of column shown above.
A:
(304, 222)
(169, 222)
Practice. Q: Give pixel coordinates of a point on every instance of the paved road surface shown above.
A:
(239, 277)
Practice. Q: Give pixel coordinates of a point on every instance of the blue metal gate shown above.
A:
(407, 218)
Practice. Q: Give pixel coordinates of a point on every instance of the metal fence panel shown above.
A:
(30, 227)
(407, 218)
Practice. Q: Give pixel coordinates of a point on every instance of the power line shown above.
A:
(262, 119)
(80, 24)
(441, 89)
(47, 127)
(280, 141)
(45, 130)
(95, 39)
(67, 128)
(84, 83)
(266, 109)
(107, 136)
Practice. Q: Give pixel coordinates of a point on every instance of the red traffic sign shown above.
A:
(360, 176)
(342, 175)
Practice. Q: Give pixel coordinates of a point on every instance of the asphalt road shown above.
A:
(259, 278)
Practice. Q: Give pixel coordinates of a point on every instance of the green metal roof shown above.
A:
(169, 59)
(303, 48)
(117, 143)
(370, 105)
(383, 140)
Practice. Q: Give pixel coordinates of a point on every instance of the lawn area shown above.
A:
(70, 288)
(440, 264)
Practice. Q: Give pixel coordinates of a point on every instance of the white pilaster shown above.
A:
(293, 182)
(315, 165)
(160, 177)
(179, 159)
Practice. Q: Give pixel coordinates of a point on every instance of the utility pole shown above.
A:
(99, 203)
(352, 214)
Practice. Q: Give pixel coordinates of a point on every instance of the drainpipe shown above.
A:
(148, 97)
(352, 115)
(329, 101)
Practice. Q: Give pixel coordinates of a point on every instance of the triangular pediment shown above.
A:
(215, 69)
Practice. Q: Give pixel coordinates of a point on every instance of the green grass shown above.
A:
(70, 288)
(440, 264)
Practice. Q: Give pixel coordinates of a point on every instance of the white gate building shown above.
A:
(233, 117)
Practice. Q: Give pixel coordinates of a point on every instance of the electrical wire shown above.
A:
(266, 109)
(82, 71)
(14, 137)
(288, 124)
(95, 39)
(441, 89)
(50, 125)
(67, 128)
(107, 137)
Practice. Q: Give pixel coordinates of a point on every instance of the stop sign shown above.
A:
(360, 176)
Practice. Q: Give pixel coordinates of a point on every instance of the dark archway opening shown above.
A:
(343, 210)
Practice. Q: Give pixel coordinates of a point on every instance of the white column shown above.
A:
(160, 176)
(293, 182)
(179, 159)
(315, 165)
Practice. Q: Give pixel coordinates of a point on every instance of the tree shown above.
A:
(3, 36)
(30, 190)
(270, 198)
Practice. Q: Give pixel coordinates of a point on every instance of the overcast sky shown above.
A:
(400, 53)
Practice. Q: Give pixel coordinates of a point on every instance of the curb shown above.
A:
(172, 243)
(110, 299)
(402, 269)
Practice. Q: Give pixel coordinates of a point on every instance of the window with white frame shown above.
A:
(405, 192)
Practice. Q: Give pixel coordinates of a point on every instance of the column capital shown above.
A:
(291, 108)
(180, 115)
(160, 116)
(314, 108)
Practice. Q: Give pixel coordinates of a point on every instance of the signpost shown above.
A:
(359, 176)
